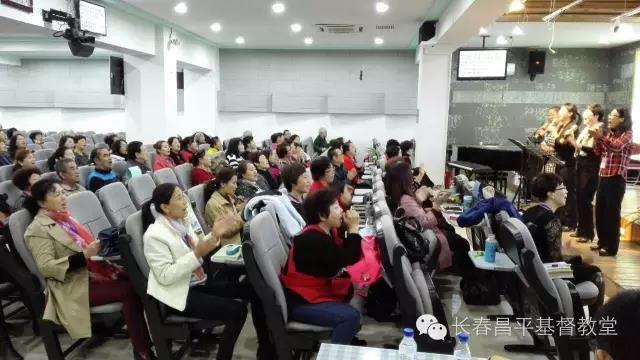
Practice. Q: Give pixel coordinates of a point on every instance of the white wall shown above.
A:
(57, 119)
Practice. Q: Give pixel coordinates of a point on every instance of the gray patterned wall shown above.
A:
(493, 111)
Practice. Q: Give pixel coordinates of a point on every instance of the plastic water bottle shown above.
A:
(408, 347)
(461, 352)
(490, 248)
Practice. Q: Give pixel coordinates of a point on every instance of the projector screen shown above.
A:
(93, 18)
(482, 64)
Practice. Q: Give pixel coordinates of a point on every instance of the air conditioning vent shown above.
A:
(385, 27)
(339, 28)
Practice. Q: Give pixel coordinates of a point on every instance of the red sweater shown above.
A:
(162, 162)
(316, 185)
(349, 164)
(200, 176)
(186, 155)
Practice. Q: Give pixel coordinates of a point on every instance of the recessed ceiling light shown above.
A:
(382, 7)
(215, 27)
(308, 40)
(180, 8)
(278, 8)
(296, 27)
(483, 31)
(378, 41)
(239, 40)
(516, 5)
(501, 40)
(517, 31)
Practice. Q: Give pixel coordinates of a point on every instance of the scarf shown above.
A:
(98, 271)
(198, 276)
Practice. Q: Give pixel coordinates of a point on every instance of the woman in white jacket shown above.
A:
(177, 278)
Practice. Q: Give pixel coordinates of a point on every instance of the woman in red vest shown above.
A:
(316, 286)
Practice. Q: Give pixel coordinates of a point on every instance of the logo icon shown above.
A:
(428, 324)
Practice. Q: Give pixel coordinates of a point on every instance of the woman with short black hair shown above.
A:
(247, 181)
(297, 183)
(201, 172)
(260, 160)
(322, 173)
(220, 197)
(234, 151)
(316, 288)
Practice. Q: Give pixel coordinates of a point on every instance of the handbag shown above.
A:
(409, 233)
(109, 242)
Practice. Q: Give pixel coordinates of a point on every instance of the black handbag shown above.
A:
(109, 242)
(409, 233)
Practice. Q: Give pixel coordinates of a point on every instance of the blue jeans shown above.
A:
(342, 317)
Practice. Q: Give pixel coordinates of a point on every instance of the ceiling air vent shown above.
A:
(340, 28)
(385, 27)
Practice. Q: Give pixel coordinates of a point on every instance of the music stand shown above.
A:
(523, 187)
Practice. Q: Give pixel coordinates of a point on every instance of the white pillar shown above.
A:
(434, 76)
(151, 91)
(200, 101)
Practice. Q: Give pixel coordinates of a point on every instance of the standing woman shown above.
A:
(587, 165)
(614, 149)
(567, 130)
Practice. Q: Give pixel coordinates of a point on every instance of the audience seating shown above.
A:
(204, 147)
(85, 208)
(120, 168)
(50, 175)
(163, 328)
(13, 193)
(6, 171)
(84, 174)
(183, 173)
(43, 165)
(307, 145)
(116, 203)
(164, 176)
(98, 138)
(196, 197)
(141, 189)
(34, 147)
(43, 154)
(18, 223)
(148, 148)
(50, 145)
(264, 257)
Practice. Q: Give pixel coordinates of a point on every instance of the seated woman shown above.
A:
(317, 292)
(399, 185)
(201, 172)
(247, 181)
(79, 150)
(297, 182)
(24, 159)
(60, 153)
(546, 230)
(136, 157)
(17, 142)
(5, 159)
(215, 145)
(283, 151)
(163, 159)
(219, 194)
(322, 173)
(177, 278)
(119, 150)
(174, 150)
(260, 160)
(234, 151)
(62, 250)
(24, 179)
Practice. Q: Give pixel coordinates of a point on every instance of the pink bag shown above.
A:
(369, 269)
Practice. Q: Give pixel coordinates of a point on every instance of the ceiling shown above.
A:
(566, 35)
(261, 28)
(587, 11)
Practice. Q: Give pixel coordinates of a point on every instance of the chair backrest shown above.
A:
(518, 243)
(98, 138)
(85, 208)
(84, 173)
(183, 173)
(141, 189)
(387, 240)
(50, 145)
(133, 227)
(13, 193)
(269, 254)
(43, 154)
(196, 197)
(116, 203)
(18, 223)
(379, 195)
(34, 147)
(164, 176)
(409, 298)
(381, 209)
(50, 175)
(43, 165)
(204, 147)
(307, 145)
(120, 168)
(5, 172)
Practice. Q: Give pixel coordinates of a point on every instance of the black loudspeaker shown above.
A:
(116, 65)
(79, 49)
(180, 80)
(427, 30)
(536, 62)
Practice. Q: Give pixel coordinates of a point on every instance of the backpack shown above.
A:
(409, 233)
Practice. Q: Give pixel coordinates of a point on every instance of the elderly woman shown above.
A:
(163, 156)
(24, 159)
(62, 250)
(221, 200)
(247, 180)
(201, 172)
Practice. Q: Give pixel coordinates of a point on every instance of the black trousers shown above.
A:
(586, 185)
(608, 205)
(218, 302)
(568, 214)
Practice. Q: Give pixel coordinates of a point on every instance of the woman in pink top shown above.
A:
(162, 159)
(399, 182)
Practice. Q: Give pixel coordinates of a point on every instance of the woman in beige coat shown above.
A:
(219, 194)
(62, 250)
